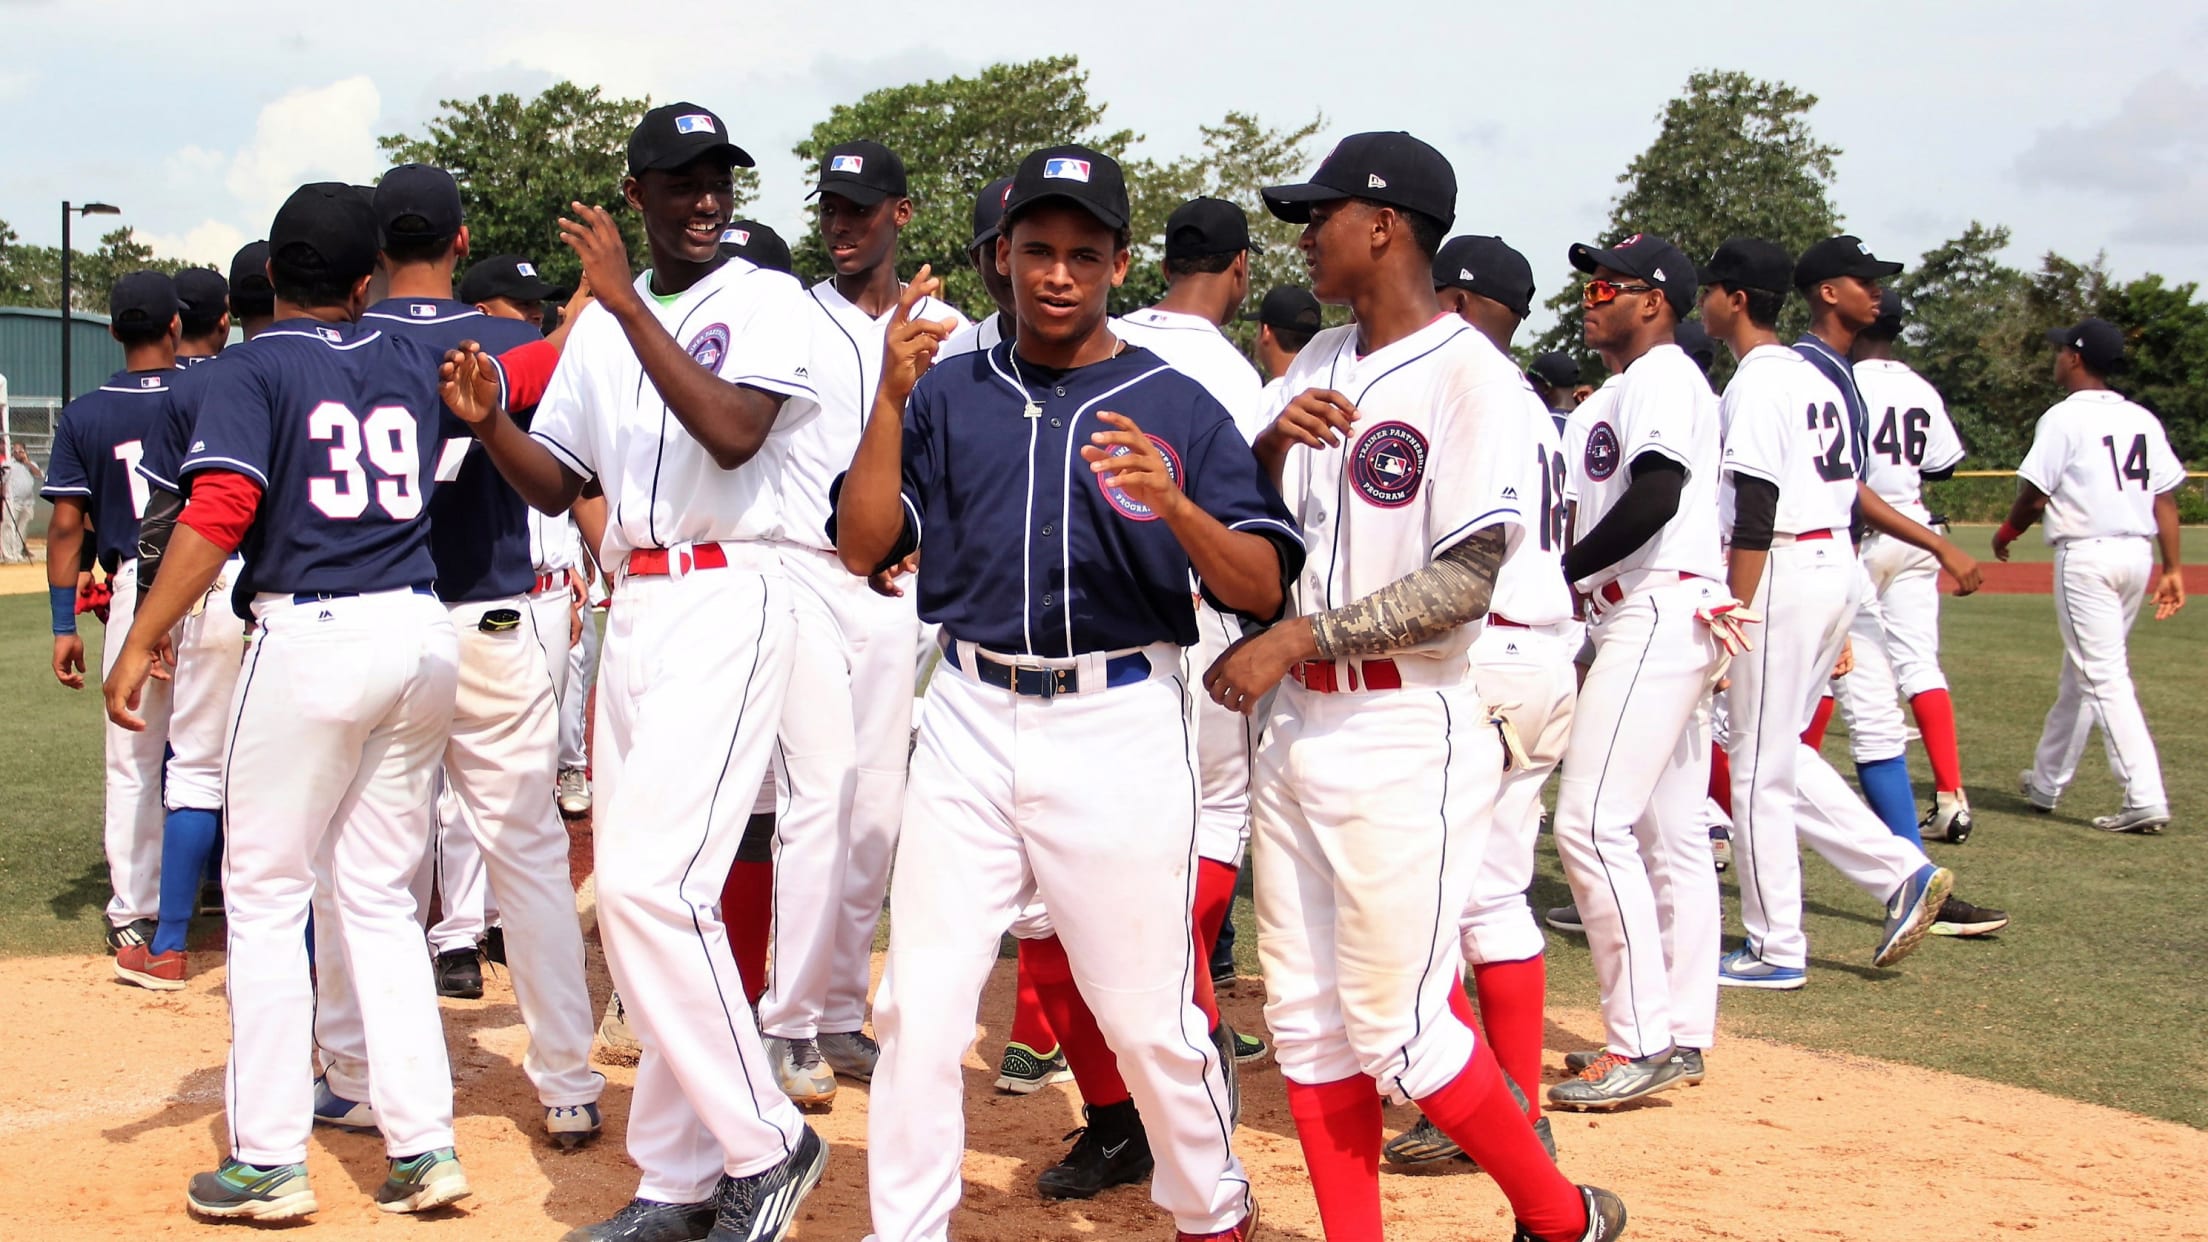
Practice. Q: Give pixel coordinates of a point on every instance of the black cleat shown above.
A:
(762, 1207)
(645, 1220)
(1112, 1150)
(460, 974)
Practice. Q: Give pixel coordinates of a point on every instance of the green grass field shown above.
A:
(2098, 991)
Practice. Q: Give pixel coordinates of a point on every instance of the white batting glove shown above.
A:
(1728, 621)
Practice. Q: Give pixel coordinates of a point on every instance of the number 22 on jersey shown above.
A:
(390, 442)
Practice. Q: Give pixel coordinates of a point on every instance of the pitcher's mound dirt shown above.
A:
(113, 1098)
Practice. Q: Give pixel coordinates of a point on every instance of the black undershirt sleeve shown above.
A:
(1650, 500)
(154, 532)
(1755, 512)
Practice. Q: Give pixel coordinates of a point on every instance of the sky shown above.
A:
(2084, 129)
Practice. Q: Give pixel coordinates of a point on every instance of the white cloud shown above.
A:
(319, 134)
(2151, 153)
(210, 241)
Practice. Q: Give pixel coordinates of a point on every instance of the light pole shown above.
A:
(68, 213)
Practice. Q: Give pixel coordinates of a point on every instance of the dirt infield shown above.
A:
(115, 1099)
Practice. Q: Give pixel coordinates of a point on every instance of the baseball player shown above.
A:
(2101, 474)
(847, 726)
(315, 449)
(749, 239)
(1897, 633)
(981, 252)
(1287, 317)
(91, 480)
(1064, 606)
(1401, 454)
(1207, 247)
(1522, 666)
(1555, 379)
(499, 759)
(208, 644)
(1793, 487)
(675, 393)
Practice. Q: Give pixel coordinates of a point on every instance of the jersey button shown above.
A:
(1046, 601)
(1059, 391)
(1046, 528)
(1055, 423)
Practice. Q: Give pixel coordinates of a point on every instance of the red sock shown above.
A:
(1512, 995)
(1935, 713)
(1338, 1124)
(1095, 1067)
(1721, 778)
(1477, 1112)
(1814, 735)
(1029, 1026)
(747, 907)
(1214, 893)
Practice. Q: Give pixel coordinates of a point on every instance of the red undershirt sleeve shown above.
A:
(221, 507)
(528, 371)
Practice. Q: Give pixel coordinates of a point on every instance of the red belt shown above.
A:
(1808, 535)
(1496, 618)
(1323, 676)
(648, 562)
(1611, 592)
(546, 582)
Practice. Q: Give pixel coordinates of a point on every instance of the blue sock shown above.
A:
(1886, 787)
(187, 841)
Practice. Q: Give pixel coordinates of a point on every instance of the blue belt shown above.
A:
(316, 597)
(1044, 683)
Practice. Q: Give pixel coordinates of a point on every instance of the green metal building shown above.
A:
(30, 358)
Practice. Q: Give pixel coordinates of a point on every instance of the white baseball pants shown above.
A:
(210, 645)
(1370, 817)
(1226, 744)
(689, 694)
(1525, 675)
(1782, 790)
(1629, 824)
(133, 814)
(845, 733)
(1867, 696)
(582, 674)
(498, 761)
(2099, 586)
(340, 720)
(1003, 809)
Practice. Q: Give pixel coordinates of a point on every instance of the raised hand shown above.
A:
(597, 241)
(908, 348)
(1129, 462)
(468, 381)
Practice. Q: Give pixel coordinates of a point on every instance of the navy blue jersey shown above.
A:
(478, 524)
(341, 426)
(169, 436)
(1837, 369)
(1027, 552)
(96, 450)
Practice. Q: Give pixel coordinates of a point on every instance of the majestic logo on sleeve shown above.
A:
(1128, 505)
(1387, 465)
(1602, 452)
(709, 346)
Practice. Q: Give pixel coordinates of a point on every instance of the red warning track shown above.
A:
(2038, 578)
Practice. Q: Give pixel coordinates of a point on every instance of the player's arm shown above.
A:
(2023, 512)
(64, 548)
(1651, 499)
(871, 522)
(2169, 590)
(209, 530)
(1887, 520)
(589, 513)
(474, 389)
(1451, 590)
(1755, 517)
(1241, 570)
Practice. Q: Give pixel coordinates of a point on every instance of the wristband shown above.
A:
(63, 603)
(2007, 533)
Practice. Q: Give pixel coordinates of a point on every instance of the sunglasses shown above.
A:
(1604, 292)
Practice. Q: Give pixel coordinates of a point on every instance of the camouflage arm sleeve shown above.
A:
(1451, 591)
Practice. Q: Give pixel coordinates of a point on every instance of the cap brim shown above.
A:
(1877, 271)
(857, 191)
(2060, 338)
(984, 237)
(737, 158)
(1587, 258)
(1293, 202)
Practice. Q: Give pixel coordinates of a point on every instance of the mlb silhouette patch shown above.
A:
(847, 164)
(1602, 452)
(695, 123)
(1387, 465)
(1128, 505)
(709, 346)
(1063, 168)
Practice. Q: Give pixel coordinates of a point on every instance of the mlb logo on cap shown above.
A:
(847, 164)
(695, 123)
(1065, 169)
(736, 237)
(526, 269)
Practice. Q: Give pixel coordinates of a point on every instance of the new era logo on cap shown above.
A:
(526, 269)
(695, 123)
(1374, 181)
(847, 164)
(1062, 168)
(1464, 274)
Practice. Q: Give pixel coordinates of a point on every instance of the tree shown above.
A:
(31, 275)
(955, 136)
(2166, 346)
(520, 164)
(1733, 157)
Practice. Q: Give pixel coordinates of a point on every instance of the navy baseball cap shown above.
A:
(1208, 226)
(417, 202)
(203, 294)
(1556, 368)
(324, 231)
(1750, 263)
(764, 247)
(506, 276)
(1649, 257)
(1489, 267)
(1690, 336)
(677, 135)
(989, 212)
(1086, 178)
(1834, 257)
(1388, 167)
(2098, 343)
(1288, 306)
(864, 172)
(249, 277)
(143, 299)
